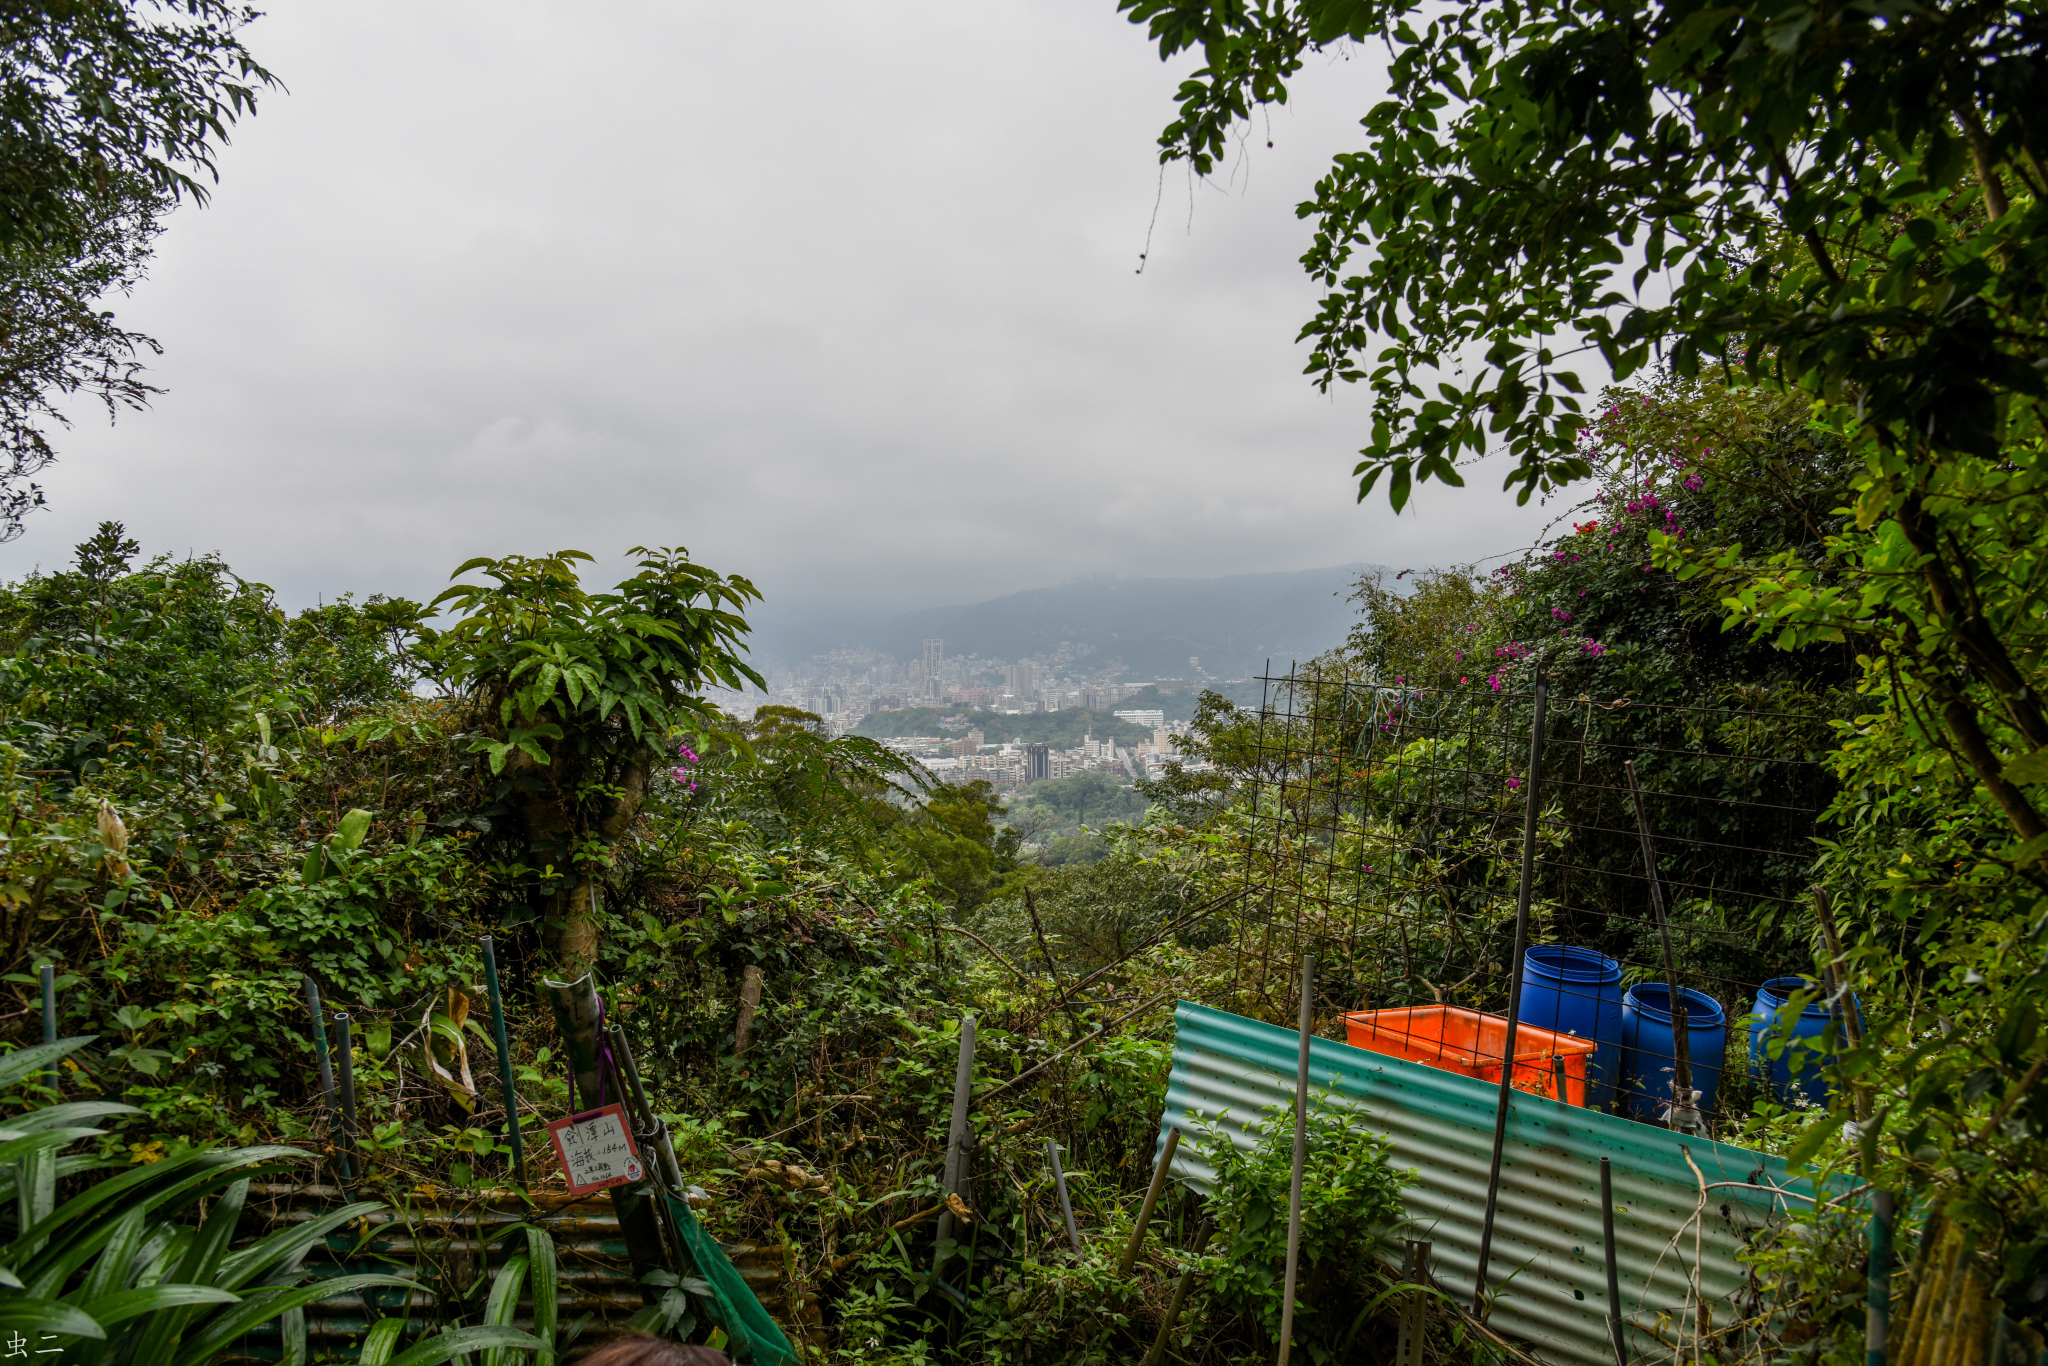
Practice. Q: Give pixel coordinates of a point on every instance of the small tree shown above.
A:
(574, 699)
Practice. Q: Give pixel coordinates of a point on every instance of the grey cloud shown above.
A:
(841, 296)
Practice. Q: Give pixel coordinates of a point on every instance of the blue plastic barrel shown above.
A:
(1646, 1034)
(1577, 991)
(1799, 1074)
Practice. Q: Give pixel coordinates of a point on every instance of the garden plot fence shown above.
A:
(1383, 830)
(1629, 884)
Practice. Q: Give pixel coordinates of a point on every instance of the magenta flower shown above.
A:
(1513, 784)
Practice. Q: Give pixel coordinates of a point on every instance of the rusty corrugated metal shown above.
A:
(449, 1247)
(1227, 1070)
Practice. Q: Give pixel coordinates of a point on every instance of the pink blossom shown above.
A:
(1514, 784)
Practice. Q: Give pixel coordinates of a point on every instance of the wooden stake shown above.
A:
(750, 1001)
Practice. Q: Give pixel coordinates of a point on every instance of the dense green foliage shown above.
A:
(1837, 213)
(110, 112)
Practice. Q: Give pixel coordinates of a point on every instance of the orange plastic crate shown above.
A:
(1472, 1042)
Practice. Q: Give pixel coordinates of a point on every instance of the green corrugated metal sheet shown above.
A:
(1227, 1070)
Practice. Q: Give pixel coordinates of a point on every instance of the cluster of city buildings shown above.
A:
(845, 686)
(1011, 766)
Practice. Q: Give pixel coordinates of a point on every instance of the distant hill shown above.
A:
(1233, 624)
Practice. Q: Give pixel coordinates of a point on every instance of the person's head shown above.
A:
(640, 1349)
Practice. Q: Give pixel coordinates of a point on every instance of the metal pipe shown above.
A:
(1412, 1327)
(956, 1135)
(504, 1046)
(1059, 1182)
(328, 1106)
(1181, 1288)
(1159, 1171)
(1877, 1318)
(655, 1133)
(1681, 1039)
(1615, 1327)
(1507, 1062)
(1308, 989)
(1563, 1091)
(49, 976)
(348, 1089)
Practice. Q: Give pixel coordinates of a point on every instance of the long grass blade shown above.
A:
(540, 1254)
(457, 1341)
(284, 1247)
(503, 1305)
(48, 1316)
(261, 1306)
(292, 1329)
(379, 1342)
(20, 1063)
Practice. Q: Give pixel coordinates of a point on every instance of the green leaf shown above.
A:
(540, 1252)
(348, 836)
(39, 1057)
(456, 1341)
(124, 1305)
(48, 1316)
(382, 1336)
(503, 1305)
(261, 1306)
(2029, 768)
(1811, 1142)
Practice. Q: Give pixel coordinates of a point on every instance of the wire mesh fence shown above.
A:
(1387, 830)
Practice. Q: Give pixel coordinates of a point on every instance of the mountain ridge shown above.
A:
(1233, 623)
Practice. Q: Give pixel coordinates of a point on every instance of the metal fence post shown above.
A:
(1507, 1062)
(1615, 1326)
(49, 976)
(348, 1090)
(498, 1037)
(1308, 989)
(1877, 1320)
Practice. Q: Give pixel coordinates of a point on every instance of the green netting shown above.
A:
(756, 1339)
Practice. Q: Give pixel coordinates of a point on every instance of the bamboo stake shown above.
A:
(1159, 1171)
(956, 1136)
(1059, 1182)
(1181, 1288)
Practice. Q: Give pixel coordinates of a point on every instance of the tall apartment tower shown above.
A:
(934, 656)
(1017, 680)
(1037, 762)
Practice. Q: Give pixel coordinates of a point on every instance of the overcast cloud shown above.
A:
(842, 296)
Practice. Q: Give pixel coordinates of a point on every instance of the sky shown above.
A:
(845, 298)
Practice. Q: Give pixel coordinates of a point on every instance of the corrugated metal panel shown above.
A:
(447, 1247)
(1227, 1070)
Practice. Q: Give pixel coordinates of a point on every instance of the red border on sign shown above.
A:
(555, 1128)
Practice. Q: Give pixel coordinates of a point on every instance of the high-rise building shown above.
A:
(1037, 762)
(934, 656)
(1017, 680)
